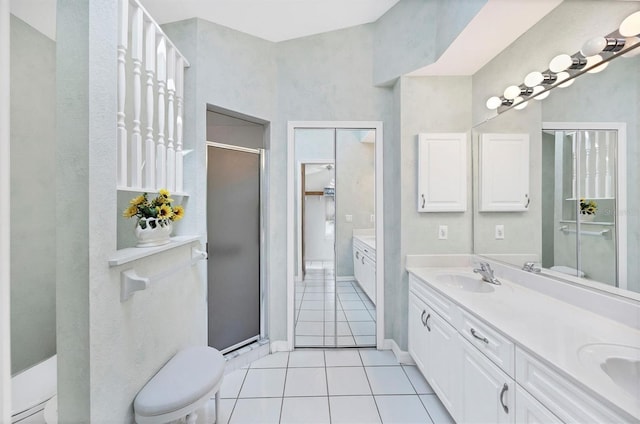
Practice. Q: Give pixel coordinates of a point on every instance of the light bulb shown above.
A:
(560, 63)
(632, 41)
(512, 92)
(493, 102)
(593, 60)
(593, 46)
(533, 78)
(537, 89)
(521, 104)
(630, 27)
(563, 76)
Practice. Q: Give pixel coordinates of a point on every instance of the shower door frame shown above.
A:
(379, 219)
(621, 186)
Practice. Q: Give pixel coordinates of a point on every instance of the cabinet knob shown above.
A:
(528, 201)
(357, 255)
(475, 334)
(425, 321)
(504, 390)
(363, 260)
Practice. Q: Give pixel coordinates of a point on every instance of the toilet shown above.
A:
(32, 389)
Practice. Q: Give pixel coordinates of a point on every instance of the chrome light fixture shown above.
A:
(593, 57)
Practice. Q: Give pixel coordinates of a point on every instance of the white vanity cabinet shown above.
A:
(364, 267)
(433, 343)
(530, 411)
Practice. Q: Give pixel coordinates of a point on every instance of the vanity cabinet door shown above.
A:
(418, 333)
(488, 394)
(443, 353)
(530, 411)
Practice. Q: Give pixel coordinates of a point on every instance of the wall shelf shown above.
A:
(142, 190)
(131, 254)
(569, 221)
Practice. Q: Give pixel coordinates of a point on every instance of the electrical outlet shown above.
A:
(443, 232)
(499, 232)
(348, 218)
(372, 218)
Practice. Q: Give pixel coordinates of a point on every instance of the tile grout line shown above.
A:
(284, 387)
(375, 402)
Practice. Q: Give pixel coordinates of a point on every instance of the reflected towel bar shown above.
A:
(566, 229)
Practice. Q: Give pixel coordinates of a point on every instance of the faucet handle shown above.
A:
(530, 267)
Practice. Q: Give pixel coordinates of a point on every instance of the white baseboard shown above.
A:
(346, 278)
(280, 346)
(401, 355)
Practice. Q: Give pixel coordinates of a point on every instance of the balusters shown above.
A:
(123, 41)
(161, 151)
(150, 66)
(171, 89)
(135, 163)
(180, 105)
(156, 162)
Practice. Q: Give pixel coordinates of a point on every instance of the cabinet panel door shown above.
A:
(444, 353)
(418, 335)
(504, 172)
(530, 411)
(488, 394)
(442, 172)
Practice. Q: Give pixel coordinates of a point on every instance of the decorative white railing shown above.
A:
(158, 162)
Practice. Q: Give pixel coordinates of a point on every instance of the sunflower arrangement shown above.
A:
(588, 207)
(159, 208)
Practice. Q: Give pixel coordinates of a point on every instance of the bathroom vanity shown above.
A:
(364, 263)
(509, 354)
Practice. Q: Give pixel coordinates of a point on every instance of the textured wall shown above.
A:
(33, 233)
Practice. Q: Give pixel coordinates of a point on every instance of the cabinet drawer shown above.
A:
(436, 301)
(570, 403)
(364, 249)
(494, 345)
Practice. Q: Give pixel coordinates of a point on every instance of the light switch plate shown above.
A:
(499, 232)
(443, 232)
(348, 218)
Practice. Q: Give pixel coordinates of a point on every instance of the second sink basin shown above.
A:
(466, 282)
(620, 363)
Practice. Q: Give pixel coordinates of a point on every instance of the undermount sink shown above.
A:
(467, 282)
(621, 364)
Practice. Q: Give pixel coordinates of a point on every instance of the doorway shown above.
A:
(335, 293)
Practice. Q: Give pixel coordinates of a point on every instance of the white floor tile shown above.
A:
(319, 289)
(402, 410)
(345, 341)
(417, 380)
(302, 341)
(305, 410)
(378, 357)
(309, 328)
(358, 315)
(365, 341)
(263, 383)
(348, 296)
(345, 290)
(347, 381)
(306, 358)
(307, 315)
(352, 304)
(275, 360)
(389, 381)
(353, 409)
(254, 411)
(363, 328)
(226, 406)
(332, 315)
(343, 328)
(343, 358)
(232, 383)
(314, 296)
(314, 305)
(305, 382)
(436, 410)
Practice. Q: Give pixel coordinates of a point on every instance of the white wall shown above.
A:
(318, 238)
(33, 184)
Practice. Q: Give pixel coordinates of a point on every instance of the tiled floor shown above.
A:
(330, 313)
(336, 386)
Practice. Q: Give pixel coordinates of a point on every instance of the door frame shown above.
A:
(299, 211)
(379, 219)
(262, 251)
(621, 185)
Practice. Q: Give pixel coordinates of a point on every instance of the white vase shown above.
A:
(587, 218)
(153, 232)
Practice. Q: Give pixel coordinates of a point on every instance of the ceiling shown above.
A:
(279, 20)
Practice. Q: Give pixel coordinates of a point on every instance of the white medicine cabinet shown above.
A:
(442, 172)
(504, 172)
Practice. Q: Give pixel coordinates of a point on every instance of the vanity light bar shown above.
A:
(563, 69)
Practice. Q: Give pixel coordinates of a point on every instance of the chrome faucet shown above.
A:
(487, 273)
(530, 267)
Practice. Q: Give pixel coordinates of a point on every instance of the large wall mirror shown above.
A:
(334, 244)
(581, 220)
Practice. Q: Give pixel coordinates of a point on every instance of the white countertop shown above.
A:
(367, 240)
(552, 330)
